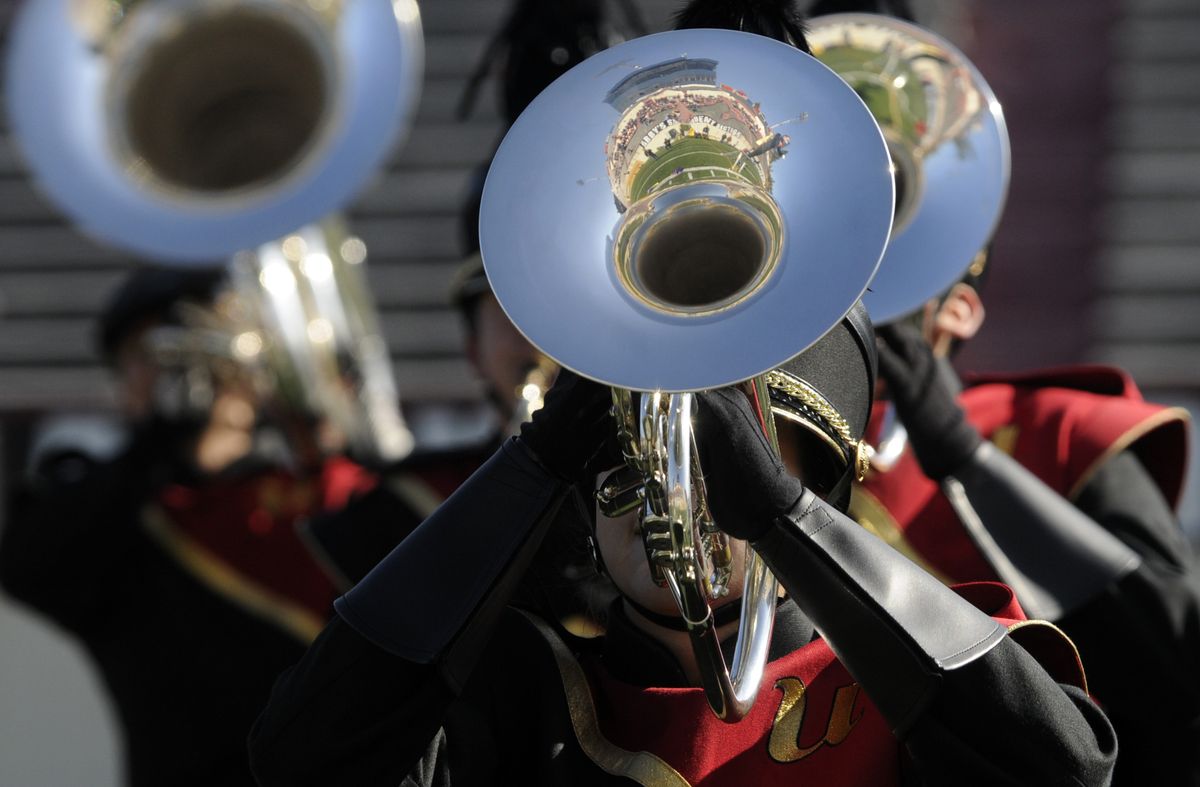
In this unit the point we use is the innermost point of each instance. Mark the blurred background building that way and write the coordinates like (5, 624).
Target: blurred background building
(1094, 261)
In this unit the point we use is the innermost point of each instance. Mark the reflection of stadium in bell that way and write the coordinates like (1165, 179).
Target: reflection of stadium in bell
(689, 162)
(921, 97)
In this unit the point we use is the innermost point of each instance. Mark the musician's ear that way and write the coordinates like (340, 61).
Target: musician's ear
(471, 351)
(472, 347)
(958, 319)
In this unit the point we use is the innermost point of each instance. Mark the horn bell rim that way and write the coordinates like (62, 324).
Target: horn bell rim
(55, 92)
(549, 211)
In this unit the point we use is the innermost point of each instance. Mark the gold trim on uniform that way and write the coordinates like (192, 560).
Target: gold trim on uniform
(867, 511)
(1127, 439)
(227, 582)
(784, 743)
(853, 452)
(1005, 438)
(804, 393)
(642, 767)
(1014, 633)
(862, 460)
(792, 417)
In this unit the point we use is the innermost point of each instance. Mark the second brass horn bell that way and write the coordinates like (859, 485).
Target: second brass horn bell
(684, 212)
(949, 145)
(190, 129)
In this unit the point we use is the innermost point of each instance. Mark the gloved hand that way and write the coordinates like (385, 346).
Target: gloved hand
(748, 485)
(574, 434)
(937, 427)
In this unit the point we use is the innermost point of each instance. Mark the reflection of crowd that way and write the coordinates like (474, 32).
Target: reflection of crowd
(960, 105)
(952, 103)
(721, 114)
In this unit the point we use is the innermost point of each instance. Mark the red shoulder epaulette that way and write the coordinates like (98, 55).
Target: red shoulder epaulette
(1063, 424)
(1096, 378)
(1060, 424)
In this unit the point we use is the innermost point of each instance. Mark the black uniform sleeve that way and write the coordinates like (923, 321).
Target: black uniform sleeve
(71, 529)
(1050, 553)
(970, 704)
(353, 539)
(1002, 721)
(1140, 639)
(349, 713)
(367, 703)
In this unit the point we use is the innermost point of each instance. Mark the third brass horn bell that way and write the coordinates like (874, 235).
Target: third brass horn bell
(191, 130)
(187, 130)
(678, 213)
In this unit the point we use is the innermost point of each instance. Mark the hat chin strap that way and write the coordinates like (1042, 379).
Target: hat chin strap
(726, 613)
(839, 494)
(839, 497)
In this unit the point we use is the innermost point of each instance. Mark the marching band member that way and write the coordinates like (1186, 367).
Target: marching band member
(563, 585)
(1061, 483)
(429, 676)
(178, 564)
(539, 41)
(1071, 480)
(426, 677)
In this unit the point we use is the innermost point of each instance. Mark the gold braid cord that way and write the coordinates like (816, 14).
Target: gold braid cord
(642, 767)
(805, 394)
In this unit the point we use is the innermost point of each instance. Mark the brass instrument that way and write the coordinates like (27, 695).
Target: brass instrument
(678, 213)
(321, 336)
(948, 143)
(294, 323)
(193, 130)
(531, 393)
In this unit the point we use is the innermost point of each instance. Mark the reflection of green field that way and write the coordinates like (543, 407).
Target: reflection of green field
(767, 212)
(690, 153)
(898, 108)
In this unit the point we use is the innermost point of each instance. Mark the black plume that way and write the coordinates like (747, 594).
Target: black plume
(540, 41)
(778, 19)
(897, 8)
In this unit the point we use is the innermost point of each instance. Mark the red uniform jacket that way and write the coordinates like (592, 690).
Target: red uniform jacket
(811, 723)
(240, 537)
(1061, 425)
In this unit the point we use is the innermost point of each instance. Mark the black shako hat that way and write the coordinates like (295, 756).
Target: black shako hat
(827, 390)
(150, 293)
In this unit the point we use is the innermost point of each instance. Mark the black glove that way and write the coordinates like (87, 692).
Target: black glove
(574, 435)
(748, 485)
(937, 427)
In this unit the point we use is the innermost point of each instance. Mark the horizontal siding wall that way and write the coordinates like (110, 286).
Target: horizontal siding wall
(1147, 315)
(1141, 294)
(53, 280)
